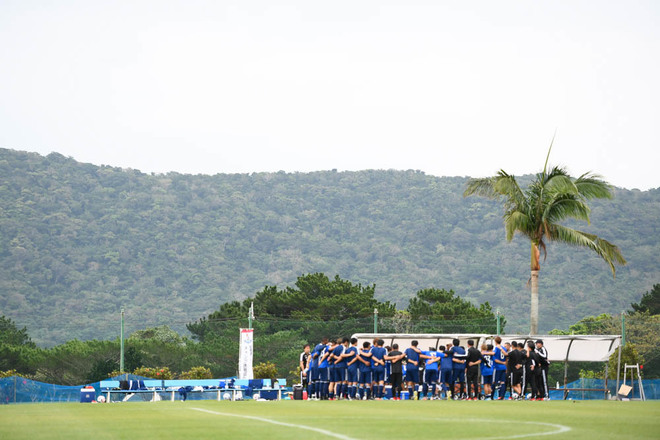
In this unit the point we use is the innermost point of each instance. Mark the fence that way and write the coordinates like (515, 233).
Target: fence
(21, 390)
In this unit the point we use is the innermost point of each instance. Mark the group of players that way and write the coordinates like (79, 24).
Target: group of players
(339, 369)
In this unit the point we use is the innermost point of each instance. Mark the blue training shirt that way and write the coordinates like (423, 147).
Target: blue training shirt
(378, 353)
(411, 355)
(338, 351)
(433, 354)
(459, 354)
(500, 354)
(354, 351)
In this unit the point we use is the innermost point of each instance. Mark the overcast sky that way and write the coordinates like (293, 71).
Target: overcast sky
(448, 87)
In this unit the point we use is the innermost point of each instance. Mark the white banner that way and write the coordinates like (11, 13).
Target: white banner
(245, 354)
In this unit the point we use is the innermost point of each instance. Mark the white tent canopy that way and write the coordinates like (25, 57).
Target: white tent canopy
(561, 348)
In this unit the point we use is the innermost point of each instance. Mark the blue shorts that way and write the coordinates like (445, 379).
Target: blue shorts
(446, 376)
(365, 377)
(323, 374)
(412, 374)
(352, 375)
(339, 374)
(458, 375)
(487, 380)
(431, 376)
(499, 376)
(314, 376)
(378, 374)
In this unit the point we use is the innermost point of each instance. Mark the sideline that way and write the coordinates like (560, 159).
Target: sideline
(274, 422)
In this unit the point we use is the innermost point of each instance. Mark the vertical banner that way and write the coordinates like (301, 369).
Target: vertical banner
(245, 354)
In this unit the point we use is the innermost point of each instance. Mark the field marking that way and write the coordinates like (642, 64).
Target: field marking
(559, 428)
(274, 422)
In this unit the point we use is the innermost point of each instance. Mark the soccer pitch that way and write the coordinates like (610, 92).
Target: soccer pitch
(333, 420)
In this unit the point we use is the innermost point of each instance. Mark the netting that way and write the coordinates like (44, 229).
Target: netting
(21, 390)
(651, 389)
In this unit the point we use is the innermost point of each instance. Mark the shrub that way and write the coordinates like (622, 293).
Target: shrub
(154, 373)
(197, 373)
(264, 370)
(9, 373)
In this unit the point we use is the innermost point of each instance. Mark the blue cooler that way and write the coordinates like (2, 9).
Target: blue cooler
(87, 395)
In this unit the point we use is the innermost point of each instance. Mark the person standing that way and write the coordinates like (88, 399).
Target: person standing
(365, 370)
(395, 357)
(432, 371)
(532, 370)
(305, 358)
(412, 368)
(351, 356)
(499, 369)
(473, 360)
(446, 370)
(545, 365)
(324, 376)
(458, 358)
(378, 357)
(487, 370)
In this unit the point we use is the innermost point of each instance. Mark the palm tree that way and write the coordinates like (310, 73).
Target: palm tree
(536, 212)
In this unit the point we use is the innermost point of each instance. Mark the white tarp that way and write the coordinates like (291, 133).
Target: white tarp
(245, 354)
(588, 348)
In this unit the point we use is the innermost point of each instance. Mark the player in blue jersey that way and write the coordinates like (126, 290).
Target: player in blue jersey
(432, 371)
(412, 368)
(446, 371)
(317, 385)
(352, 365)
(337, 368)
(324, 377)
(364, 370)
(378, 357)
(499, 369)
(487, 370)
(458, 375)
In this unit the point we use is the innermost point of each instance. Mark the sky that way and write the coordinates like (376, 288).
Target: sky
(451, 88)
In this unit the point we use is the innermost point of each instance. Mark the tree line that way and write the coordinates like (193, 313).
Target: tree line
(79, 241)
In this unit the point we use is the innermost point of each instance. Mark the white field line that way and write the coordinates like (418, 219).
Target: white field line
(558, 429)
(274, 422)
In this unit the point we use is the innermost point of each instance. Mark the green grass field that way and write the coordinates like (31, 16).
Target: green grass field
(331, 420)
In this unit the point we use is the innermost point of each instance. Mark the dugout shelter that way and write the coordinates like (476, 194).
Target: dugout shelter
(561, 348)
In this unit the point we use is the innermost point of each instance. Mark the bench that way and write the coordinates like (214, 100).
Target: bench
(151, 386)
(173, 386)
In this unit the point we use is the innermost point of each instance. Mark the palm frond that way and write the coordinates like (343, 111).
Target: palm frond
(592, 186)
(606, 250)
(484, 186)
(517, 221)
(560, 183)
(565, 206)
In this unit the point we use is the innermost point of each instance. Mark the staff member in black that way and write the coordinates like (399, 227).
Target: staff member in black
(545, 364)
(472, 360)
(305, 358)
(396, 372)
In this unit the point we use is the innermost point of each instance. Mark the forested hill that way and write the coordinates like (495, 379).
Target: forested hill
(79, 241)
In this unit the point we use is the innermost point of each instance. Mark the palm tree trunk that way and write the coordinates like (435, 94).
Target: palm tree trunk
(534, 309)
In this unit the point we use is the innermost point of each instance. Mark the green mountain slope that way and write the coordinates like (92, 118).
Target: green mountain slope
(78, 241)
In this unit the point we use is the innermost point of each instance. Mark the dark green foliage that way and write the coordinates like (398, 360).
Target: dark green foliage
(12, 335)
(78, 242)
(439, 310)
(101, 370)
(650, 302)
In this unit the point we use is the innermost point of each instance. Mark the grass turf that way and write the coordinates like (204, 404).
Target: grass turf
(344, 420)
